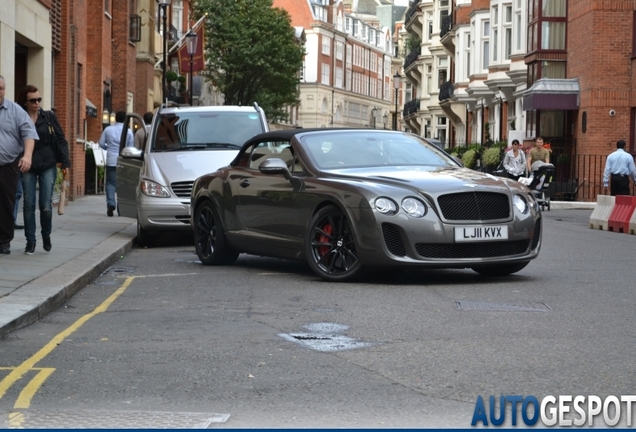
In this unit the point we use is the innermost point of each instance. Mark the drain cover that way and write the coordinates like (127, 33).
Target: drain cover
(502, 307)
(118, 270)
(324, 337)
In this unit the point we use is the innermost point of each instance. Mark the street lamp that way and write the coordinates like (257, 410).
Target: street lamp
(163, 5)
(396, 85)
(385, 118)
(191, 39)
(373, 113)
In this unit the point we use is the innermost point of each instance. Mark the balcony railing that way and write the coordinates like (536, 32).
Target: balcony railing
(411, 107)
(412, 10)
(447, 25)
(411, 57)
(446, 91)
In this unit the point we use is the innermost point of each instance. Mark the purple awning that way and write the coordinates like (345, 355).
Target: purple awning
(552, 94)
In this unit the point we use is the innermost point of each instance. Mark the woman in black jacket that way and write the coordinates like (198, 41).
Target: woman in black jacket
(50, 149)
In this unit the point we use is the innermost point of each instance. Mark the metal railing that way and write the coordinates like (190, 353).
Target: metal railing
(411, 57)
(412, 10)
(411, 107)
(446, 26)
(446, 91)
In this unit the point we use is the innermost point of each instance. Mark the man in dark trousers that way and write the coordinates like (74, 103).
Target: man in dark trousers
(618, 168)
(17, 140)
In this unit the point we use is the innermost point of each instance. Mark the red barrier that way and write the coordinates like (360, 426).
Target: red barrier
(621, 213)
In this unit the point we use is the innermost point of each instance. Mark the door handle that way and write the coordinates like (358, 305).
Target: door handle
(244, 183)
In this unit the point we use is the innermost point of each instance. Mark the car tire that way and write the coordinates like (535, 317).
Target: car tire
(330, 246)
(209, 237)
(143, 237)
(499, 270)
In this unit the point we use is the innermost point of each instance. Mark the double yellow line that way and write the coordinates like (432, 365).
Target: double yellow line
(27, 394)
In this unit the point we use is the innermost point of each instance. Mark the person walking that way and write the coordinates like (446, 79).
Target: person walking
(17, 139)
(50, 149)
(142, 134)
(515, 161)
(618, 168)
(537, 153)
(110, 141)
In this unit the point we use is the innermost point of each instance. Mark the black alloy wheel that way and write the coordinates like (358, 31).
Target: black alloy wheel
(209, 237)
(330, 246)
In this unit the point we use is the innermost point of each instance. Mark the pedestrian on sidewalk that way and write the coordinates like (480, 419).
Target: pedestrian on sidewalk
(17, 139)
(110, 141)
(515, 161)
(50, 149)
(618, 168)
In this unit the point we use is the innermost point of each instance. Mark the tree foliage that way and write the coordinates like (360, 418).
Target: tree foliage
(251, 53)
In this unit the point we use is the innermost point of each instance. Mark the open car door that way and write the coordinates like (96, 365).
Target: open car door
(129, 163)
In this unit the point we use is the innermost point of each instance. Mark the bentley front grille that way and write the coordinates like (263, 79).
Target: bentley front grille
(472, 250)
(182, 189)
(474, 206)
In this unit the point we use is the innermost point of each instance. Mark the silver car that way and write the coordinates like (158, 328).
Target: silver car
(154, 183)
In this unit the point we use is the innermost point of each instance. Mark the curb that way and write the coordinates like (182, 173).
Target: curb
(37, 298)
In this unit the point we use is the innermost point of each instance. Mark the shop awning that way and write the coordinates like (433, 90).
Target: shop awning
(91, 109)
(552, 94)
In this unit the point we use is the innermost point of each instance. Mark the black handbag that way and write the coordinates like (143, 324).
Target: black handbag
(53, 138)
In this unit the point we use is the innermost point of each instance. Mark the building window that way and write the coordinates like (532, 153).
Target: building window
(468, 46)
(552, 35)
(356, 27)
(486, 45)
(325, 74)
(348, 25)
(442, 72)
(429, 79)
(339, 77)
(339, 50)
(177, 15)
(326, 45)
(429, 20)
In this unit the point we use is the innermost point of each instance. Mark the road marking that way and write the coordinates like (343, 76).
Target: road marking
(18, 372)
(26, 395)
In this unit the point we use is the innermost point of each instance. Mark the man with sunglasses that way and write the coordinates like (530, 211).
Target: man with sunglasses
(17, 139)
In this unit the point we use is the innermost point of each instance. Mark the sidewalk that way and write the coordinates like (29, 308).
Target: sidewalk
(85, 243)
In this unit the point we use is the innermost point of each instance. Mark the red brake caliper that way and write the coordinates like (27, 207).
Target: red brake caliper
(322, 250)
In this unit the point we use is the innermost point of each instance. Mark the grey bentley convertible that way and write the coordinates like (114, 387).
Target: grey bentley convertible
(349, 199)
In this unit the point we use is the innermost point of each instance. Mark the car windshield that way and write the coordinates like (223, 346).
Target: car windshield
(191, 131)
(356, 149)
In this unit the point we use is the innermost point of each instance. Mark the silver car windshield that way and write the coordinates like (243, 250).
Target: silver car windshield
(189, 131)
(356, 149)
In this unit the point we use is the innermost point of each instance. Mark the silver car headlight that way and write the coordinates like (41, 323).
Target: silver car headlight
(385, 205)
(520, 204)
(414, 207)
(153, 189)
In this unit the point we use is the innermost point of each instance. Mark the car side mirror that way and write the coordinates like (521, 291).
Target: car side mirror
(278, 166)
(132, 153)
(274, 166)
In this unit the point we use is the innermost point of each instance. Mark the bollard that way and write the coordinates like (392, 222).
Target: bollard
(623, 209)
(602, 211)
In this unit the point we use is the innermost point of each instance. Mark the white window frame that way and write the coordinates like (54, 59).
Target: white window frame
(339, 77)
(325, 73)
(339, 50)
(326, 45)
(485, 44)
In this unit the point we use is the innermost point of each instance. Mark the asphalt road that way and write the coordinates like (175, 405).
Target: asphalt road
(264, 343)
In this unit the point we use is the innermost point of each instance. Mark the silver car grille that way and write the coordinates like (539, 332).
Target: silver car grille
(474, 206)
(182, 189)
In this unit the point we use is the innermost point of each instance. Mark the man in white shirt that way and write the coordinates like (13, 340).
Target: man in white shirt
(619, 167)
(110, 141)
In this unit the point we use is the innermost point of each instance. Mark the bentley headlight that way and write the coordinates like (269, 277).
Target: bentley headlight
(153, 189)
(414, 207)
(520, 204)
(385, 205)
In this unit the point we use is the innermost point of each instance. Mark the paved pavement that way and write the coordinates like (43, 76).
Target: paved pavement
(85, 243)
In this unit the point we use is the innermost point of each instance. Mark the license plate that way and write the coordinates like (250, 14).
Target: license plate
(480, 233)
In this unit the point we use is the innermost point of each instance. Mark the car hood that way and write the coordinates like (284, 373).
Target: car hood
(170, 167)
(429, 179)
